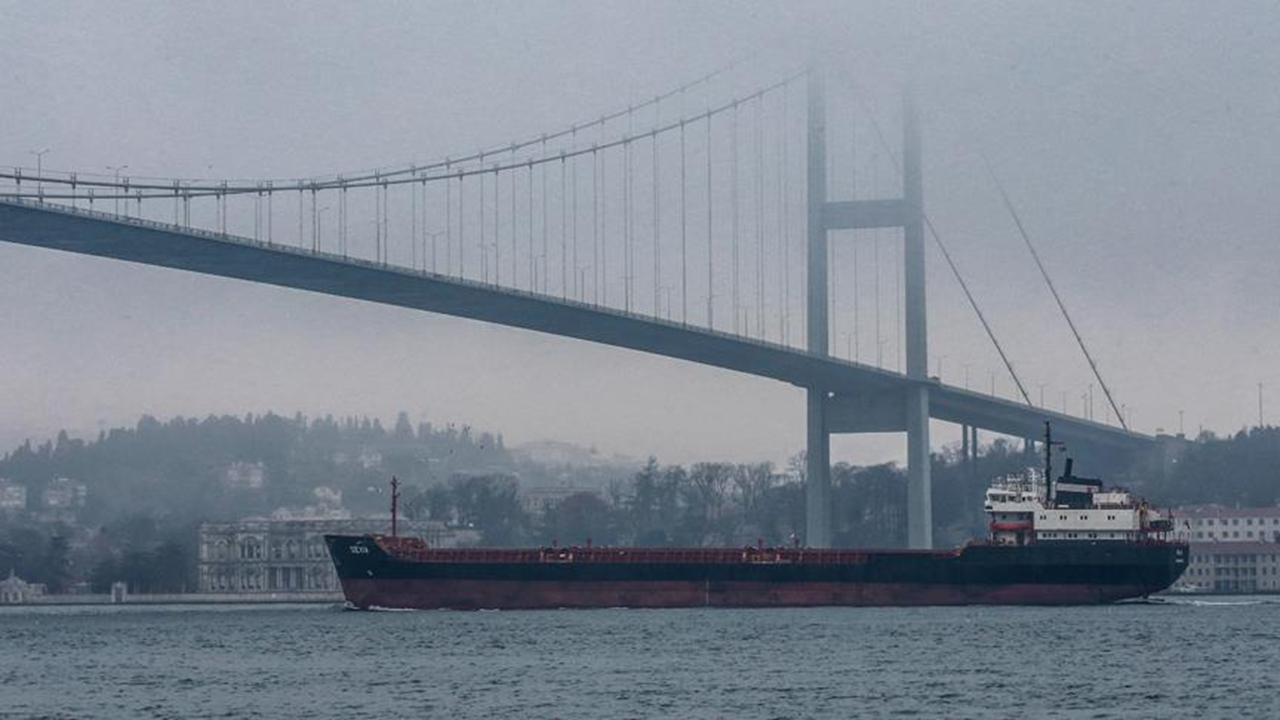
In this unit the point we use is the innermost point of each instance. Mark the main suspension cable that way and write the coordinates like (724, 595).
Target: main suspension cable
(955, 270)
(1044, 273)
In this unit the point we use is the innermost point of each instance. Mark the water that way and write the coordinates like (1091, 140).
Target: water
(1187, 658)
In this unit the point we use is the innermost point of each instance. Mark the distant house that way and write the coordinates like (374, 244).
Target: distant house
(65, 494)
(538, 500)
(551, 453)
(13, 497)
(16, 591)
(370, 459)
(244, 475)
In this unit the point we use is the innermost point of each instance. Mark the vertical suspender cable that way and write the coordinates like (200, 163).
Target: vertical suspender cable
(684, 236)
(462, 232)
(784, 219)
(564, 216)
(604, 231)
(626, 226)
(515, 225)
(710, 236)
(657, 235)
(545, 279)
(577, 289)
(595, 228)
(533, 264)
(413, 228)
(759, 172)
(898, 329)
(875, 260)
(497, 230)
(448, 227)
(733, 191)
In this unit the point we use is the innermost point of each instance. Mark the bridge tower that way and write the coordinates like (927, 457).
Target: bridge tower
(832, 410)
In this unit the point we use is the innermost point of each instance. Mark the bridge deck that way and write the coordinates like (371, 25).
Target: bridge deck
(110, 236)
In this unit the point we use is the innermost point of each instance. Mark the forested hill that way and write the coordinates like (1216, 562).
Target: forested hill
(1238, 470)
(229, 467)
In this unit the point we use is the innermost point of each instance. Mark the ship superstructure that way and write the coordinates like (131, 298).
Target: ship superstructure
(1027, 508)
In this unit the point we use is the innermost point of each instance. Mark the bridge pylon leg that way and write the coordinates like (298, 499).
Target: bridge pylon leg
(919, 471)
(818, 436)
(817, 472)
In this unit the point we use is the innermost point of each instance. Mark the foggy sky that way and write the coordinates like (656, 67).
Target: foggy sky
(1141, 142)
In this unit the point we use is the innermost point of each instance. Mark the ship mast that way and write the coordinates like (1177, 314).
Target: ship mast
(395, 503)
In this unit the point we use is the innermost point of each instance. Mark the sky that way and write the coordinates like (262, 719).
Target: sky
(1140, 142)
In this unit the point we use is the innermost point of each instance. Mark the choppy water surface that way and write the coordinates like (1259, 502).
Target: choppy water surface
(1207, 658)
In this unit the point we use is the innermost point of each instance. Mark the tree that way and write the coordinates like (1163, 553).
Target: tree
(752, 483)
(56, 571)
(491, 505)
(578, 518)
(705, 497)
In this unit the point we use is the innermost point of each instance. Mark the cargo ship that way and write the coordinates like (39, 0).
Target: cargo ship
(1063, 542)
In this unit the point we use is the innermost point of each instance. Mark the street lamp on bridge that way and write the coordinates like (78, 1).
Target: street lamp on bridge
(116, 169)
(39, 172)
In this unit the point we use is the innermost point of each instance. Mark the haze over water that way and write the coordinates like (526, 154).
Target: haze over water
(1184, 659)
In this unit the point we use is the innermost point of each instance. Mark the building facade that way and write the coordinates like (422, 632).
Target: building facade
(1233, 550)
(13, 497)
(16, 591)
(261, 555)
(1232, 567)
(1211, 523)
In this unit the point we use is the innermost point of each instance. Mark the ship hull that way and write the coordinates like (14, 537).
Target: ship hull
(375, 575)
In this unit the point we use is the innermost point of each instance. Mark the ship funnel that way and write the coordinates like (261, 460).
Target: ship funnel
(1066, 472)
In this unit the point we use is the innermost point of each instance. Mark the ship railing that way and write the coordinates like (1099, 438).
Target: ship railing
(417, 550)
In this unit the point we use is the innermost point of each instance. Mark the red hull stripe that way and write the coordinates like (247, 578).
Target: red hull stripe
(510, 595)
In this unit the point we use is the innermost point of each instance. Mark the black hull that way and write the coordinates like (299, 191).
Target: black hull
(1046, 573)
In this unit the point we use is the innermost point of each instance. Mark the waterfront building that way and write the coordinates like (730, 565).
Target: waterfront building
(1233, 550)
(1232, 567)
(1214, 523)
(288, 554)
(16, 591)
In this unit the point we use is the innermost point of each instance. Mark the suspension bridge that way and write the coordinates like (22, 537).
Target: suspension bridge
(698, 225)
